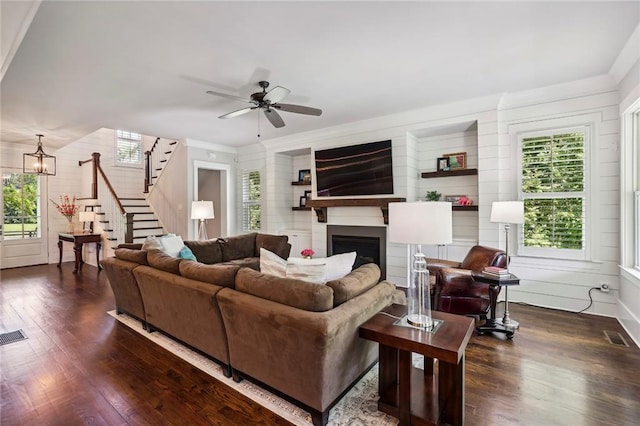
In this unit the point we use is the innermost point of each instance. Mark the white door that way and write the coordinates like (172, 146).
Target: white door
(23, 236)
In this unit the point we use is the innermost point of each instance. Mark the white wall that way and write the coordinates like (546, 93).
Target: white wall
(544, 282)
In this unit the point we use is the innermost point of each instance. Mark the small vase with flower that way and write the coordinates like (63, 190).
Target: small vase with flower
(68, 208)
(307, 253)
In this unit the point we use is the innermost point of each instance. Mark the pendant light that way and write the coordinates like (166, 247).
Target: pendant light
(39, 162)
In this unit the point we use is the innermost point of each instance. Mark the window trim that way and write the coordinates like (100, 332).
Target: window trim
(117, 136)
(246, 203)
(588, 124)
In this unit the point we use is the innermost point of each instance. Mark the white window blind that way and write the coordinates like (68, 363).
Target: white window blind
(251, 201)
(128, 148)
(553, 190)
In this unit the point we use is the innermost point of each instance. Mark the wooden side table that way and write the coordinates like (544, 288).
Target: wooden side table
(412, 395)
(78, 240)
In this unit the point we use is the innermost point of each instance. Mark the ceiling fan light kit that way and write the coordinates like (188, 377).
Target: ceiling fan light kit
(268, 102)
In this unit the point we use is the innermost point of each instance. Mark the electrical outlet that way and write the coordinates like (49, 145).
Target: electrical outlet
(604, 287)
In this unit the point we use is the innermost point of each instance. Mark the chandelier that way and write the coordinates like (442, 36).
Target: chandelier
(39, 162)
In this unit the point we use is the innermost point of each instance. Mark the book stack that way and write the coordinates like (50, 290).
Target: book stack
(494, 271)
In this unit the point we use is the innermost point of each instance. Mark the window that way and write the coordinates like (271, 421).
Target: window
(251, 207)
(21, 206)
(128, 149)
(553, 189)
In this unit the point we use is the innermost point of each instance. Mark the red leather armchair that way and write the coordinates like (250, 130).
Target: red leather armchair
(456, 292)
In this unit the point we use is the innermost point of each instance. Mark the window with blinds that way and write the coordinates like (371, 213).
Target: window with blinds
(553, 189)
(128, 148)
(251, 204)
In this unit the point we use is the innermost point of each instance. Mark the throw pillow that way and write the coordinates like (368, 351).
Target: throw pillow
(272, 264)
(339, 265)
(186, 253)
(311, 270)
(152, 243)
(172, 244)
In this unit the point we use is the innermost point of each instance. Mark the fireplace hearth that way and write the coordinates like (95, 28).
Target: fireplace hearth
(369, 242)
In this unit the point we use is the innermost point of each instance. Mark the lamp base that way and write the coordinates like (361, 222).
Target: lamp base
(508, 323)
(422, 321)
(202, 231)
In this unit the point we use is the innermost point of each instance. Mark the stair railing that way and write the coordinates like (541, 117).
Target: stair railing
(154, 160)
(119, 220)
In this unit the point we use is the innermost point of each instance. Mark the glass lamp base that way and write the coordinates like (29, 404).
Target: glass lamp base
(420, 321)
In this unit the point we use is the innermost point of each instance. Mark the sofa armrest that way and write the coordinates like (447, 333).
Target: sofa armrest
(310, 356)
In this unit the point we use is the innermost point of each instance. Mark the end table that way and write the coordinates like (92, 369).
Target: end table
(506, 325)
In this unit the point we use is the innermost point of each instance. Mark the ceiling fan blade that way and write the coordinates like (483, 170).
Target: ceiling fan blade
(225, 95)
(276, 94)
(274, 118)
(298, 109)
(238, 112)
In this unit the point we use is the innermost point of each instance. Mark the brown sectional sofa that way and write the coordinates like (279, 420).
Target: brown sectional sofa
(297, 338)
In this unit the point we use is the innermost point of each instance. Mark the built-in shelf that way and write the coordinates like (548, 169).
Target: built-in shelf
(451, 173)
(464, 208)
(299, 209)
(320, 206)
(300, 183)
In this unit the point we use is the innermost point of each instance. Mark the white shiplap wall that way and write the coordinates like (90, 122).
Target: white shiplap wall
(544, 282)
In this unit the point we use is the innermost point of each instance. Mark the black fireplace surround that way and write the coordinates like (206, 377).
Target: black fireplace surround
(369, 242)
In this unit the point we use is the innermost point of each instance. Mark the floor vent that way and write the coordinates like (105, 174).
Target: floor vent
(12, 336)
(615, 338)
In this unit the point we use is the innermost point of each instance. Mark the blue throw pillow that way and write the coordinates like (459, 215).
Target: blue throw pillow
(186, 253)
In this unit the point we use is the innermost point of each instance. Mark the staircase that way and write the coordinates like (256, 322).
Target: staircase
(144, 221)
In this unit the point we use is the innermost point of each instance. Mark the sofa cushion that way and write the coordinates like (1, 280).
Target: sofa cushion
(296, 293)
(355, 283)
(247, 262)
(132, 255)
(277, 244)
(238, 247)
(135, 246)
(208, 251)
(218, 274)
(161, 260)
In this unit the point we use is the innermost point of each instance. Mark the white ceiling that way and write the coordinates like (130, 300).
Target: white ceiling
(145, 66)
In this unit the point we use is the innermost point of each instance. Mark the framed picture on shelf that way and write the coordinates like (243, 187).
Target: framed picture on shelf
(307, 194)
(303, 201)
(304, 175)
(443, 164)
(457, 160)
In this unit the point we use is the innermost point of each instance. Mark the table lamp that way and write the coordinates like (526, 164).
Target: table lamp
(202, 210)
(415, 224)
(85, 217)
(507, 212)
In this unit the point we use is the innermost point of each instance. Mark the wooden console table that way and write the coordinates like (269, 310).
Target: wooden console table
(415, 396)
(78, 240)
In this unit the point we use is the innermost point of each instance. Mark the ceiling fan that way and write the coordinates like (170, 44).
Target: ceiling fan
(269, 102)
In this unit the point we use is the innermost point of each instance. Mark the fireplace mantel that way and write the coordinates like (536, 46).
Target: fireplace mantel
(320, 206)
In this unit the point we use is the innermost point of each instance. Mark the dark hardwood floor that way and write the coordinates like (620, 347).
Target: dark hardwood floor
(80, 366)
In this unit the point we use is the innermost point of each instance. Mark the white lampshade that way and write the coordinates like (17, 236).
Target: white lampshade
(202, 210)
(507, 212)
(86, 216)
(420, 223)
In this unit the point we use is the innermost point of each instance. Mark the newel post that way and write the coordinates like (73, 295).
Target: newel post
(94, 184)
(147, 171)
(128, 235)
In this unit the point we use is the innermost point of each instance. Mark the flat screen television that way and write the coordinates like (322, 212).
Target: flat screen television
(364, 169)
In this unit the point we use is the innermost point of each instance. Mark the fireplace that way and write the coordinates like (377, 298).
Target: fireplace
(369, 242)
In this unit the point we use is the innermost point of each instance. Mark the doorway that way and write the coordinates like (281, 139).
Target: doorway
(23, 229)
(211, 183)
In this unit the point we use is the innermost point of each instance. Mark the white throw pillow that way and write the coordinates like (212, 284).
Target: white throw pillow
(339, 265)
(311, 270)
(152, 243)
(272, 264)
(172, 244)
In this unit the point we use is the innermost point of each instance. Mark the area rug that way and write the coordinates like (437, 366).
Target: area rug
(358, 407)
